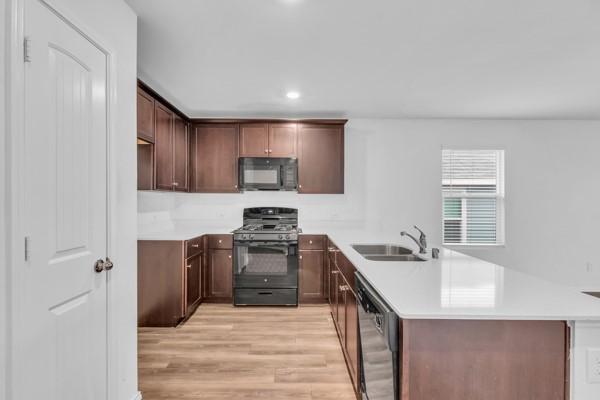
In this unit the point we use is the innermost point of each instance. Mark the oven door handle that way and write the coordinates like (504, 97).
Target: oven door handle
(264, 244)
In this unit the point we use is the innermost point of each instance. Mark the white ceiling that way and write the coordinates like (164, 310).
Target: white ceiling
(374, 58)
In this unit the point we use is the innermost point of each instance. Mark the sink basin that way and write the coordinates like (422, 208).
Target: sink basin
(385, 252)
(380, 249)
(396, 257)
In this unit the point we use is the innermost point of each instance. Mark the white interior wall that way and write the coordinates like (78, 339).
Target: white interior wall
(393, 178)
(552, 176)
(4, 294)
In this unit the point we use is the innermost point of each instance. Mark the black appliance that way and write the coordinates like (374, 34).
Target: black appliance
(261, 173)
(265, 257)
(378, 327)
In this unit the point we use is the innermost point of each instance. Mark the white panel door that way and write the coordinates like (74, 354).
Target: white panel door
(62, 322)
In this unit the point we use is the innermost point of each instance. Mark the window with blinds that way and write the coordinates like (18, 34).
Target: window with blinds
(473, 197)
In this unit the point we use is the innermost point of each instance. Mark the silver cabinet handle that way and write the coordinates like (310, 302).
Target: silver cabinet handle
(196, 245)
(229, 257)
(266, 150)
(310, 242)
(220, 240)
(189, 266)
(270, 151)
(300, 186)
(300, 257)
(175, 184)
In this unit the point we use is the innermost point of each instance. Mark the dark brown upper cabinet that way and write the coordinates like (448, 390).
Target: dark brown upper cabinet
(254, 140)
(145, 116)
(214, 155)
(277, 139)
(320, 158)
(181, 155)
(163, 145)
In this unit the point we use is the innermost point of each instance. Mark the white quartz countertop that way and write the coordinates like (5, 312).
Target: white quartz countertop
(454, 286)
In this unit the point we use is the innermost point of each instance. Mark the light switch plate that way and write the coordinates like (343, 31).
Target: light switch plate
(593, 367)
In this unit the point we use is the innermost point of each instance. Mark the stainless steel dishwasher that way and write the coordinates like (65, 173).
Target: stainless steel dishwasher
(378, 326)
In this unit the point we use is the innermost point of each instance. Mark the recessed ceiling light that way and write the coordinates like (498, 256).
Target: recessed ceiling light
(292, 95)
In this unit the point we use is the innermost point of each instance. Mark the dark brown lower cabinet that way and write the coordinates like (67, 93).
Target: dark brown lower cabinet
(220, 269)
(193, 280)
(169, 281)
(312, 271)
(342, 298)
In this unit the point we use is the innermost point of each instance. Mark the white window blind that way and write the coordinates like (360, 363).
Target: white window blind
(473, 197)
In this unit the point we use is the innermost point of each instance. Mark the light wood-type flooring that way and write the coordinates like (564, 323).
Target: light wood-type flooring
(223, 352)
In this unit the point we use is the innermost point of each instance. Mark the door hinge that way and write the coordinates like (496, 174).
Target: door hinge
(26, 248)
(27, 49)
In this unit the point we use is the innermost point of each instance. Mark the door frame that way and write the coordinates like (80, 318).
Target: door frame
(13, 167)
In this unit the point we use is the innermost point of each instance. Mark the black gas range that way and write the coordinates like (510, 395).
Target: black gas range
(265, 262)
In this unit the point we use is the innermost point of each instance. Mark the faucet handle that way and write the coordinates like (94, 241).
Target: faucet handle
(420, 231)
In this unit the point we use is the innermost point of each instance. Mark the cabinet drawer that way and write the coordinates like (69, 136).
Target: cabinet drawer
(312, 242)
(283, 297)
(220, 241)
(193, 247)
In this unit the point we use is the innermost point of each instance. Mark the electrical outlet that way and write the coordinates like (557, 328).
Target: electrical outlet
(593, 370)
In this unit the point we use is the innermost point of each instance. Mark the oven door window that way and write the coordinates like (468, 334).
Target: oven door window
(265, 264)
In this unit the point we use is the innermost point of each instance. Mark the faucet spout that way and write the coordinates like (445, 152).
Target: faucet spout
(421, 242)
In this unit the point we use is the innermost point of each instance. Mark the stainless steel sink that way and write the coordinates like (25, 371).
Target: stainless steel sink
(397, 257)
(386, 252)
(380, 249)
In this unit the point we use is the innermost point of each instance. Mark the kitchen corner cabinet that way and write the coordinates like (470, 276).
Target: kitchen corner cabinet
(320, 158)
(342, 300)
(145, 116)
(169, 281)
(214, 158)
(171, 150)
(275, 139)
(220, 269)
(312, 273)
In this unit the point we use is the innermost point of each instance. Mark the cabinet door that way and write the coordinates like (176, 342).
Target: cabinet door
(341, 308)
(193, 277)
(145, 116)
(180, 155)
(352, 336)
(254, 140)
(164, 147)
(283, 140)
(220, 274)
(214, 158)
(333, 273)
(320, 158)
(311, 279)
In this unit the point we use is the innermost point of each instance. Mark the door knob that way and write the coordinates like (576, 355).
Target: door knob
(108, 264)
(99, 266)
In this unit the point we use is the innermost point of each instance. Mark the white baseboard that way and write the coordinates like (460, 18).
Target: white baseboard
(137, 396)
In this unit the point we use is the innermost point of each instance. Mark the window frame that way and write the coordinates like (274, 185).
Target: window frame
(500, 197)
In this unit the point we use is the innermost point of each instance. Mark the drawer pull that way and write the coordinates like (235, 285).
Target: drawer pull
(229, 257)
(189, 266)
(220, 240)
(335, 272)
(310, 242)
(266, 293)
(196, 245)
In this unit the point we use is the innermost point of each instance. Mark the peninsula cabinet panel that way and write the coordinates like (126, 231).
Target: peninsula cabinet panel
(320, 158)
(352, 338)
(160, 283)
(145, 116)
(164, 147)
(479, 359)
(180, 155)
(283, 139)
(254, 140)
(214, 153)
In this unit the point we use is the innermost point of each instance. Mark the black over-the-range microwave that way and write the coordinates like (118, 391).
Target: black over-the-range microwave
(263, 173)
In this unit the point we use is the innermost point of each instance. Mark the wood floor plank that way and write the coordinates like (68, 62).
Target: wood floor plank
(224, 352)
